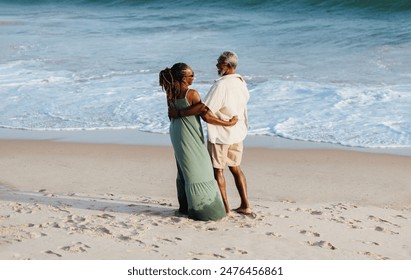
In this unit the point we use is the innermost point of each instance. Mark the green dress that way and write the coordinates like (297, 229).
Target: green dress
(197, 190)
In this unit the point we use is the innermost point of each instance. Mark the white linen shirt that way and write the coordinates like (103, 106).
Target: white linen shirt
(228, 97)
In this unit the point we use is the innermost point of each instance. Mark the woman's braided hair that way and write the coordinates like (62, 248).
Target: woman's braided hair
(170, 79)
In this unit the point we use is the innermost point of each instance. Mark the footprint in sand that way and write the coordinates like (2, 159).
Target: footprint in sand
(288, 201)
(381, 229)
(124, 238)
(2, 218)
(155, 246)
(371, 243)
(162, 241)
(18, 208)
(306, 210)
(273, 234)
(352, 223)
(75, 219)
(401, 217)
(194, 254)
(177, 219)
(140, 243)
(212, 229)
(106, 216)
(309, 233)
(168, 240)
(234, 250)
(379, 220)
(58, 209)
(52, 253)
(50, 224)
(342, 206)
(77, 247)
(374, 256)
(36, 234)
(322, 244)
(103, 230)
(282, 216)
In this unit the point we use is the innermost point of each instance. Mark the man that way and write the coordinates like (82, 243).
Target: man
(227, 99)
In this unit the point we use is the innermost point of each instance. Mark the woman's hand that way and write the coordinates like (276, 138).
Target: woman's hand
(233, 121)
(173, 113)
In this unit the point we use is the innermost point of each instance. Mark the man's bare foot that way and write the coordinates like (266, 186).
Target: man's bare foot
(244, 211)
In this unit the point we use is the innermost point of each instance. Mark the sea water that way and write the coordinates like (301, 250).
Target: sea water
(317, 70)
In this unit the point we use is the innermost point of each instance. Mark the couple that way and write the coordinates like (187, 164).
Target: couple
(201, 187)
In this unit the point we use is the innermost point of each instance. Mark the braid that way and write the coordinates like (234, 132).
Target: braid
(169, 80)
(166, 81)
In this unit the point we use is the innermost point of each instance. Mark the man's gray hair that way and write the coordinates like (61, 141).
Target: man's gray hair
(230, 58)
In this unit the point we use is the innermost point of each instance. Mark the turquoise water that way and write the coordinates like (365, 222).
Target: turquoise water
(321, 71)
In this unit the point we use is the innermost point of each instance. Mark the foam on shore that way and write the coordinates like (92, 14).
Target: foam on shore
(136, 137)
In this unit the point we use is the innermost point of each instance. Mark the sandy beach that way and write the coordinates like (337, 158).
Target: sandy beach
(61, 200)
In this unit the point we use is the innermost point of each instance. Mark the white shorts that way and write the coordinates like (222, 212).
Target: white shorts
(223, 155)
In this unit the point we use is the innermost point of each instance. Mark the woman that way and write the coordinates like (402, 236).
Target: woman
(197, 190)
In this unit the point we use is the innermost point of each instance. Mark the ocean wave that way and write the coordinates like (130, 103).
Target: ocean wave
(315, 72)
(382, 6)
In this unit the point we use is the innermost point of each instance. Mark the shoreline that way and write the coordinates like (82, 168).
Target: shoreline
(136, 137)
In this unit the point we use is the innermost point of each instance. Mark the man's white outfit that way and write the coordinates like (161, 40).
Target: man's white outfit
(228, 97)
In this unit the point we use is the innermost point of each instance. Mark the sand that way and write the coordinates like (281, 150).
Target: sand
(88, 201)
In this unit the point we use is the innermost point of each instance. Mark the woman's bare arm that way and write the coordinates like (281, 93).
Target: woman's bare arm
(194, 110)
(199, 108)
(208, 117)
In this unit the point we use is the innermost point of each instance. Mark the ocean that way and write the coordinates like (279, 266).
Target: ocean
(321, 71)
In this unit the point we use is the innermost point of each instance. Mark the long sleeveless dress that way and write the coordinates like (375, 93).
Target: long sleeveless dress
(197, 190)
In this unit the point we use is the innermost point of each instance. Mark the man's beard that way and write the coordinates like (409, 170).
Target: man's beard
(221, 72)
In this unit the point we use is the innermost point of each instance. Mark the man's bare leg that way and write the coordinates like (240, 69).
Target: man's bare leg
(241, 184)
